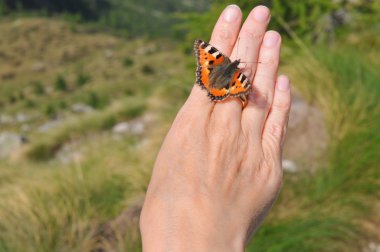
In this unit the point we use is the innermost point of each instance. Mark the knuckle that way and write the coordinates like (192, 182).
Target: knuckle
(253, 34)
(271, 174)
(281, 105)
(276, 132)
(262, 99)
(223, 38)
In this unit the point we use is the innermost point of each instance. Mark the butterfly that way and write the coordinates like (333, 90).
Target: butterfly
(218, 75)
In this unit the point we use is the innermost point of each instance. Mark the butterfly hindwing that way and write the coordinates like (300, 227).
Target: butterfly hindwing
(240, 84)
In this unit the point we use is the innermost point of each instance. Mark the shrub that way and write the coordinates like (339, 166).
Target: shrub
(38, 88)
(146, 69)
(127, 62)
(50, 111)
(60, 83)
(82, 79)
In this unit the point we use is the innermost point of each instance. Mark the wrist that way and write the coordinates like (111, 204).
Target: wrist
(160, 234)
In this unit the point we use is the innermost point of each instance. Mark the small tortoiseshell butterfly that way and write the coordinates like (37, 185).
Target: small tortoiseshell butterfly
(218, 75)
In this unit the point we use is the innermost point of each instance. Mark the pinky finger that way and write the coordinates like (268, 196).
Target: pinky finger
(276, 123)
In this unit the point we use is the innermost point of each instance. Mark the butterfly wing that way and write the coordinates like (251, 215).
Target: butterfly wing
(209, 57)
(240, 85)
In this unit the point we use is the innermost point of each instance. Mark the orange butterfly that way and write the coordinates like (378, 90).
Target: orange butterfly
(218, 75)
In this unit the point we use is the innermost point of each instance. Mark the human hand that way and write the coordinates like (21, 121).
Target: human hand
(219, 169)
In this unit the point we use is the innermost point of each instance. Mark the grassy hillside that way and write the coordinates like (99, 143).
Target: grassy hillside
(90, 111)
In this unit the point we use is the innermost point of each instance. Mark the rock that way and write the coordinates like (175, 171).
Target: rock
(121, 127)
(10, 142)
(25, 128)
(289, 166)
(48, 126)
(81, 108)
(6, 119)
(372, 247)
(21, 118)
(39, 67)
(135, 127)
(69, 153)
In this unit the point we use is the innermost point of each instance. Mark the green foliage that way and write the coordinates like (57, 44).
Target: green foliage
(50, 111)
(127, 62)
(95, 101)
(313, 20)
(82, 79)
(147, 69)
(38, 88)
(60, 83)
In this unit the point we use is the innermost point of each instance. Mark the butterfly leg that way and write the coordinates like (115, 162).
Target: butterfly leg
(244, 100)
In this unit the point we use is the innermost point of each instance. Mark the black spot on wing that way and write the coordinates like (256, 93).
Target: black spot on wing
(218, 56)
(211, 62)
(212, 50)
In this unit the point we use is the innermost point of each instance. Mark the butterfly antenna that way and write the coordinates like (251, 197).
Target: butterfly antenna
(237, 48)
(258, 62)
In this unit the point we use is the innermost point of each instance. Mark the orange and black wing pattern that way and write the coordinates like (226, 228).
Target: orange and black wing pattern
(208, 57)
(240, 85)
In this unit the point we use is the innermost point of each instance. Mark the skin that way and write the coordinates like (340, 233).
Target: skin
(219, 169)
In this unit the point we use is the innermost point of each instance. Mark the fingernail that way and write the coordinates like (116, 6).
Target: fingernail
(271, 38)
(231, 13)
(283, 83)
(261, 13)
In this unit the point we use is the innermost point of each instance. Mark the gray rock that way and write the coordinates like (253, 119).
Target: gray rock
(39, 67)
(9, 142)
(289, 166)
(6, 119)
(135, 127)
(48, 126)
(372, 247)
(69, 153)
(81, 108)
(21, 118)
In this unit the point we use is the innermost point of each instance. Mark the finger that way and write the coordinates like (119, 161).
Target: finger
(276, 123)
(250, 38)
(260, 99)
(227, 112)
(223, 38)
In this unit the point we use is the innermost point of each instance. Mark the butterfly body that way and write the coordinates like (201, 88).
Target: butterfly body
(220, 76)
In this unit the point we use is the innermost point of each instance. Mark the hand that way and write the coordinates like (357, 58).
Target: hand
(219, 169)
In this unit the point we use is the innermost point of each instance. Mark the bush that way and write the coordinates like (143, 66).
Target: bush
(50, 111)
(60, 83)
(38, 88)
(146, 69)
(127, 62)
(82, 79)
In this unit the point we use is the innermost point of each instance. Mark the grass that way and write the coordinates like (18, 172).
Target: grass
(62, 206)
